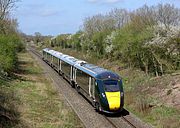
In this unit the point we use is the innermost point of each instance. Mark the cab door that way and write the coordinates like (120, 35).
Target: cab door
(92, 87)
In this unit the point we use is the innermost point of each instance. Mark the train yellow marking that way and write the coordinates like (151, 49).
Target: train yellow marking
(113, 100)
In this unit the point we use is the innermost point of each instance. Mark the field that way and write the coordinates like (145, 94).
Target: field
(30, 100)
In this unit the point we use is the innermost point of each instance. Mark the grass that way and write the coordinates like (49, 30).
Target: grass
(140, 90)
(35, 101)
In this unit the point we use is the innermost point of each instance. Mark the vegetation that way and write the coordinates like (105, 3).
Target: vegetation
(31, 101)
(145, 96)
(10, 45)
(146, 38)
(27, 98)
(137, 44)
(143, 46)
(10, 40)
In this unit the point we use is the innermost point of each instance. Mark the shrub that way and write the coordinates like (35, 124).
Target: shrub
(9, 46)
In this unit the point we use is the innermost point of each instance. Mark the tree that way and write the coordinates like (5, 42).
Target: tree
(98, 23)
(7, 23)
(168, 15)
(120, 16)
(145, 15)
(38, 37)
(5, 7)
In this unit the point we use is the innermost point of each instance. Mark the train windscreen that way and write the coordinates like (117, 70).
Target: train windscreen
(111, 86)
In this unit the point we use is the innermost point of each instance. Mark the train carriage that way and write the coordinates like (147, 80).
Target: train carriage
(104, 88)
(101, 86)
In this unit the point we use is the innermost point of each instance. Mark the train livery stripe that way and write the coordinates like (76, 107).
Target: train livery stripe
(113, 100)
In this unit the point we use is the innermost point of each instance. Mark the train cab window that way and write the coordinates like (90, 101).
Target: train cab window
(111, 86)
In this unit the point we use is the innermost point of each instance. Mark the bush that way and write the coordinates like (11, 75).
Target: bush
(9, 46)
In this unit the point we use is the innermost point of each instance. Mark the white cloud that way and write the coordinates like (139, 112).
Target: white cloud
(48, 12)
(112, 1)
(104, 1)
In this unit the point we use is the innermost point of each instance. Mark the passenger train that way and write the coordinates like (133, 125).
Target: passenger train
(103, 88)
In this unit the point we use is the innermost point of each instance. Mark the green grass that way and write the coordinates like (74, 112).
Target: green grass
(164, 117)
(34, 99)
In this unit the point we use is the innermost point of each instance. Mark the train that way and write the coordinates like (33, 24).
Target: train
(103, 88)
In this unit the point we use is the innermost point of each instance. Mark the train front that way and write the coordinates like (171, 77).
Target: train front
(111, 94)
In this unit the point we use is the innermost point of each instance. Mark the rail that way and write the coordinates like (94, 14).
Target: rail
(120, 121)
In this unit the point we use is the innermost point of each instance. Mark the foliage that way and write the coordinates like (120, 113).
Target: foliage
(146, 38)
(10, 45)
(9, 38)
(76, 40)
(130, 43)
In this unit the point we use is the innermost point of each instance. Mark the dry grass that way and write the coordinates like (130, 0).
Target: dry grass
(36, 101)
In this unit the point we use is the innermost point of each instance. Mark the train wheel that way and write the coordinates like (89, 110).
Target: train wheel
(77, 88)
(98, 107)
(63, 75)
(72, 84)
(59, 72)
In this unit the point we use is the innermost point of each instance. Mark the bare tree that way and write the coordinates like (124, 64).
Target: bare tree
(7, 24)
(120, 16)
(94, 24)
(99, 23)
(146, 15)
(6, 6)
(167, 15)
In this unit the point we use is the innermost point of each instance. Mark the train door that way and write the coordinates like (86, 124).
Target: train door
(59, 65)
(51, 60)
(74, 74)
(71, 73)
(92, 87)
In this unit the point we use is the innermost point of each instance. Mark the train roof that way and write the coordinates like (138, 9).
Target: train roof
(96, 71)
(66, 58)
(92, 70)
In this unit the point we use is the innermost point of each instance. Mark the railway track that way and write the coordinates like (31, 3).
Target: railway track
(89, 117)
(132, 125)
(121, 124)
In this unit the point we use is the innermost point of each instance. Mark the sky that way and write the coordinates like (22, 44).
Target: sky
(53, 17)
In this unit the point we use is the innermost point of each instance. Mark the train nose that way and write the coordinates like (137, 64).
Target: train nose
(113, 99)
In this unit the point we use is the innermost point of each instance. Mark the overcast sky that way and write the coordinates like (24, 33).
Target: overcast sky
(52, 17)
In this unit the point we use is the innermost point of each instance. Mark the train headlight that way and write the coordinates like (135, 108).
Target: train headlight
(103, 95)
(122, 94)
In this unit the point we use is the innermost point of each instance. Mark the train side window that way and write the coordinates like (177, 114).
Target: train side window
(82, 79)
(66, 68)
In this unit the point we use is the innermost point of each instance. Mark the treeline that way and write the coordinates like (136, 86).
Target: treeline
(147, 38)
(10, 41)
